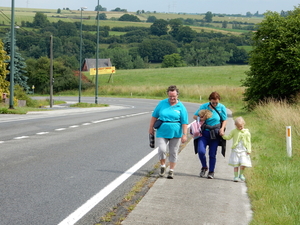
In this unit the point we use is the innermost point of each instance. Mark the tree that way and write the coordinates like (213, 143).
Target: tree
(205, 54)
(175, 24)
(128, 17)
(274, 60)
(159, 27)
(138, 63)
(58, 10)
(173, 60)
(185, 34)
(102, 16)
(239, 55)
(224, 24)
(248, 14)
(156, 49)
(38, 73)
(119, 57)
(118, 9)
(208, 17)
(100, 8)
(3, 71)
(40, 20)
(66, 29)
(19, 65)
(151, 19)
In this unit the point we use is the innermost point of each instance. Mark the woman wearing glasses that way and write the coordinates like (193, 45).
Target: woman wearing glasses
(172, 131)
(211, 131)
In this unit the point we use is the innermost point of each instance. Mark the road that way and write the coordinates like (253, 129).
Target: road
(72, 166)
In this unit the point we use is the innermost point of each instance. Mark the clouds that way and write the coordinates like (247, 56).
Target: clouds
(188, 6)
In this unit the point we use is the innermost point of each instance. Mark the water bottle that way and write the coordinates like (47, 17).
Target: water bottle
(152, 140)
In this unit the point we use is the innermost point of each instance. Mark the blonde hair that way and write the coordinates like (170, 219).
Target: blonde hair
(205, 113)
(239, 120)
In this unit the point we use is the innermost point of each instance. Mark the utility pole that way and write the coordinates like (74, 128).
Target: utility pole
(51, 71)
(80, 53)
(12, 56)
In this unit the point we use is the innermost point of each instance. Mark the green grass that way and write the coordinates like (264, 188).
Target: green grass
(195, 83)
(88, 105)
(273, 182)
(36, 105)
(218, 75)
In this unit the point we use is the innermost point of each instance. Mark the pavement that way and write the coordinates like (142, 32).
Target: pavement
(189, 199)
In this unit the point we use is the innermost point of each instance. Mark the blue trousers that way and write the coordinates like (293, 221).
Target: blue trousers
(213, 147)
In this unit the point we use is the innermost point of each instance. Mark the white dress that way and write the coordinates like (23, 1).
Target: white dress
(239, 156)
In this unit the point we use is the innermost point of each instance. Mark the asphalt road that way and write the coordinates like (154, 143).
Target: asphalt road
(53, 164)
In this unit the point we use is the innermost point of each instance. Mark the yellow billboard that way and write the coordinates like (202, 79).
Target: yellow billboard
(103, 70)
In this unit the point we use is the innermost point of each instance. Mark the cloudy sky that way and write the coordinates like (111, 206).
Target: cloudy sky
(187, 6)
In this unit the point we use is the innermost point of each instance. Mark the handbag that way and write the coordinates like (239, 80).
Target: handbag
(157, 124)
(195, 129)
(222, 142)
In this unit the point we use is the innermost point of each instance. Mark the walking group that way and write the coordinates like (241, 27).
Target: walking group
(169, 128)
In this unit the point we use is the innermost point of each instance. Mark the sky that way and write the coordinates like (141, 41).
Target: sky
(177, 6)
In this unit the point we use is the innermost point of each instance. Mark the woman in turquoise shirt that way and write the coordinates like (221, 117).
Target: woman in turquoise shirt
(211, 133)
(173, 129)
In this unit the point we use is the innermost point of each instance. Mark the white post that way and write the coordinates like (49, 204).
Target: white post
(289, 140)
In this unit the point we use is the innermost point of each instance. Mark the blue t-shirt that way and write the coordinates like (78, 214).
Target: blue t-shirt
(174, 116)
(215, 119)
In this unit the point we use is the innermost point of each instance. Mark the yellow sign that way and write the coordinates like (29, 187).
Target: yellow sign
(103, 70)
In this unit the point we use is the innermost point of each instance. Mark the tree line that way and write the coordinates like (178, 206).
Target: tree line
(170, 41)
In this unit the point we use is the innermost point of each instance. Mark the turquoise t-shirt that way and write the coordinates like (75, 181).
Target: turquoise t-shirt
(215, 119)
(174, 116)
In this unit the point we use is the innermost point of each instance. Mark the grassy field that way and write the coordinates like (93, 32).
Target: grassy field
(273, 181)
(195, 82)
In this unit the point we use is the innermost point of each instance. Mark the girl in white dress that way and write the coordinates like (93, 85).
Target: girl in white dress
(240, 150)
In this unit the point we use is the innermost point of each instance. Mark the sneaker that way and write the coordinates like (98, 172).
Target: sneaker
(210, 175)
(162, 171)
(235, 179)
(203, 171)
(170, 174)
(242, 177)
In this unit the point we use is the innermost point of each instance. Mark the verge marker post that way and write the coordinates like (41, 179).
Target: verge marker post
(289, 140)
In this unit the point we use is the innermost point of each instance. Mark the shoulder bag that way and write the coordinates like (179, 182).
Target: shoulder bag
(222, 142)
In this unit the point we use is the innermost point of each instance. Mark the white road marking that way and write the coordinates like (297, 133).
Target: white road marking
(84, 124)
(22, 137)
(60, 129)
(96, 199)
(41, 133)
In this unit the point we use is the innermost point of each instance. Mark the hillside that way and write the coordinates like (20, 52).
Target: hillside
(89, 18)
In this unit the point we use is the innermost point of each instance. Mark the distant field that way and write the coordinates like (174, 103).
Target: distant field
(217, 75)
(247, 48)
(195, 83)
(89, 18)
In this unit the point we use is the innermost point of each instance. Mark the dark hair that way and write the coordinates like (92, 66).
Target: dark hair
(214, 95)
(173, 88)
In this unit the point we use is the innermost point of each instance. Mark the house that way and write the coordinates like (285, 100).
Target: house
(91, 63)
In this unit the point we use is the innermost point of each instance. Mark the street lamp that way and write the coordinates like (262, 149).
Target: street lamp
(97, 56)
(80, 52)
